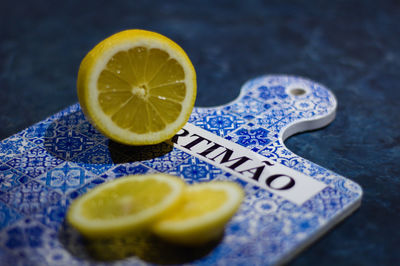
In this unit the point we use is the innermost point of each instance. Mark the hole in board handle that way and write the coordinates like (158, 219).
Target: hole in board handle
(297, 91)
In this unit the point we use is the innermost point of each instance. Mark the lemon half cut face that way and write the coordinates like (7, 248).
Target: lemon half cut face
(137, 87)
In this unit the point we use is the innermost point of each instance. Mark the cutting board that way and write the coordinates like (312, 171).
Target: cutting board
(290, 202)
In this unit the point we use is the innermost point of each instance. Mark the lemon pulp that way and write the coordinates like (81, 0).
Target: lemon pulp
(142, 89)
(197, 204)
(125, 199)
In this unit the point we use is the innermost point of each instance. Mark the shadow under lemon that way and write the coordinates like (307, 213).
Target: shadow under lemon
(143, 245)
(72, 138)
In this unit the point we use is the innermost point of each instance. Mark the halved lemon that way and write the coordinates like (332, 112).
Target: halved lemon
(137, 87)
(125, 205)
(202, 216)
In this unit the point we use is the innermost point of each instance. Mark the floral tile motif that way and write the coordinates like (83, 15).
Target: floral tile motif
(97, 159)
(34, 162)
(36, 132)
(10, 178)
(284, 122)
(68, 117)
(248, 108)
(268, 92)
(68, 144)
(71, 119)
(253, 136)
(278, 152)
(194, 170)
(13, 146)
(55, 126)
(271, 117)
(220, 122)
(91, 132)
(30, 198)
(65, 177)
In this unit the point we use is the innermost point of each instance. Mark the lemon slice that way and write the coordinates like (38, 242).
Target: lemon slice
(201, 217)
(125, 205)
(137, 87)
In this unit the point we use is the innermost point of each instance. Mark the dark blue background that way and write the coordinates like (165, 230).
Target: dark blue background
(352, 47)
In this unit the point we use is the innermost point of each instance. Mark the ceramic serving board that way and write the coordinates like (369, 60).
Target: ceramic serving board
(289, 202)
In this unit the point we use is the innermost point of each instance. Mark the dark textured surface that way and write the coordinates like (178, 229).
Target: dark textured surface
(352, 47)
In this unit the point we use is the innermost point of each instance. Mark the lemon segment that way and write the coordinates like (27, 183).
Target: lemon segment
(137, 87)
(202, 215)
(125, 205)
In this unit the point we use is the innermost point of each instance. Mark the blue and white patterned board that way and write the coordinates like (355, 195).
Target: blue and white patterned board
(45, 167)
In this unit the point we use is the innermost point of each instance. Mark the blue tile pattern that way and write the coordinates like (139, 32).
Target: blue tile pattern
(34, 162)
(193, 170)
(220, 122)
(45, 167)
(12, 146)
(66, 177)
(10, 177)
(30, 198)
